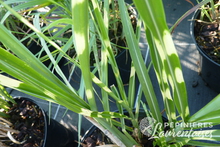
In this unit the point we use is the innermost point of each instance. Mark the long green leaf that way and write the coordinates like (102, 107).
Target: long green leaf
(17, 68)
(25, 88)
(21, 51)
(107, 47)
(156, 22)
(123, 141)
(139, 63)
(31, 90)
(104, 60)
(212, 117)
(206, 111)
(162, 79)
(131, 90)
(81, 29)
(59, 21)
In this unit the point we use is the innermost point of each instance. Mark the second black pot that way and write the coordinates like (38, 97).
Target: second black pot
(123, 61)
(209, 70)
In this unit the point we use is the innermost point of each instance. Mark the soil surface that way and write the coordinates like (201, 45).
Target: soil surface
(207, 35)
(97, 138)
(29, 120)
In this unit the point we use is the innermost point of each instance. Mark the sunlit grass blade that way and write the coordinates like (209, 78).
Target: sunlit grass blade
(107, 46)
(21, 51)
(104, 60)
(162, 78)
(5, 95)
(210, 117)
(25, 88)
(110, 93)
(118, 137)
(3, 104)
(100, 55)
(17, 68)
(81, 32)
(23, 5)
(63, 21)
(166, 49)
(208, 109)
(131, 88)
(139, 63)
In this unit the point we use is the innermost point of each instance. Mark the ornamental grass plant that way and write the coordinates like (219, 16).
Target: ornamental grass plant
(33, 78)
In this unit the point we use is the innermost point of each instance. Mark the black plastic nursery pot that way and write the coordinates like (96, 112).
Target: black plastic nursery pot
(209, 69)
(55, 134)
(35, 49)
(93, 133)
(123, 61)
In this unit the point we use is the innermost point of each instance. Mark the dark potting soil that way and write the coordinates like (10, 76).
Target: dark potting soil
(207, 35)
(27, 118)
(98, 138)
